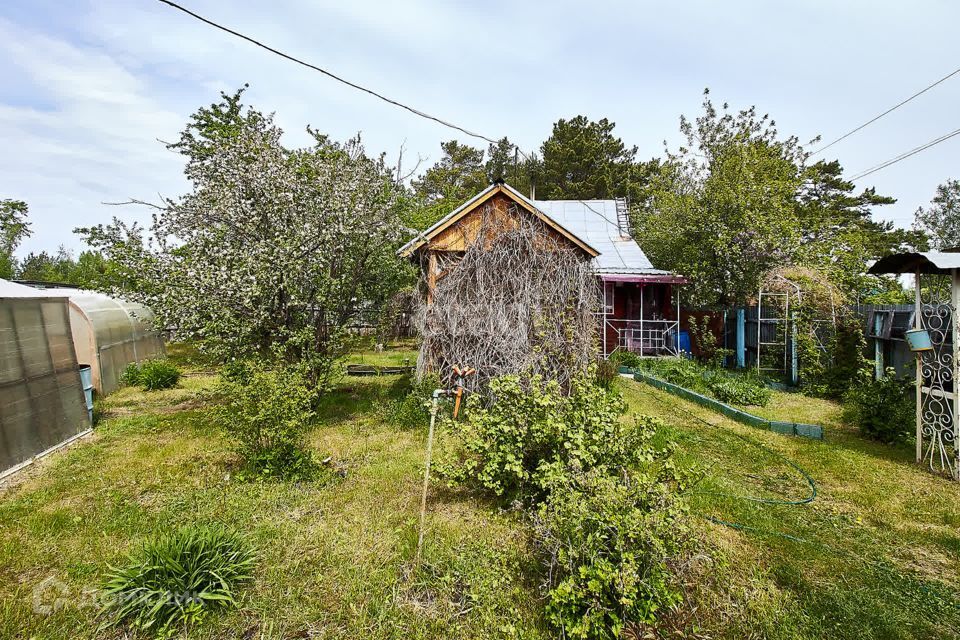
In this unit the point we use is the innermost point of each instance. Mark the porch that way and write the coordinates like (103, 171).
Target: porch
(641, 314)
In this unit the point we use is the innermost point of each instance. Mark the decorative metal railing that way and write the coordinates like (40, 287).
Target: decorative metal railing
(644, 337)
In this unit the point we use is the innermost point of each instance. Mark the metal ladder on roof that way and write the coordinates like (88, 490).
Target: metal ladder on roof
(623, 217)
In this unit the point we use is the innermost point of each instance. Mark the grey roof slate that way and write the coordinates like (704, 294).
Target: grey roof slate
(592, 221)
(595, 222)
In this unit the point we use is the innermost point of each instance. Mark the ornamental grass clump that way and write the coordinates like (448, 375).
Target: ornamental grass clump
(177, 580)
(151, 375)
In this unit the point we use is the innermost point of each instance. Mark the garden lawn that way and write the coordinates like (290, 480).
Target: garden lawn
(875, 555)
(334, 556)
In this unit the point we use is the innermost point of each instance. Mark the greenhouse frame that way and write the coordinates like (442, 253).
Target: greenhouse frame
(109, 334)
(58, 345)
(42, 404)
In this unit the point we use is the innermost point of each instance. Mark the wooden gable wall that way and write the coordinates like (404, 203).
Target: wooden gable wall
(500, 213)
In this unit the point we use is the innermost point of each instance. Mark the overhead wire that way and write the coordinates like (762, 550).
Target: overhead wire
(905, 155)
(888, 111)
(329, 74)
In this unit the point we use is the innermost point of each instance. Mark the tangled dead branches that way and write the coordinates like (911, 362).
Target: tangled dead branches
(518, 299)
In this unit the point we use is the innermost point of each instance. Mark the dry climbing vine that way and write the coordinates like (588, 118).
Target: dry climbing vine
(517, 300)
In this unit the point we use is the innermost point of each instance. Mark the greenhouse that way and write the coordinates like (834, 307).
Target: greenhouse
(42, 402)
(109, 334)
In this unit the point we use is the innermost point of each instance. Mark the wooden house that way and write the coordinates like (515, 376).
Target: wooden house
(639, 311)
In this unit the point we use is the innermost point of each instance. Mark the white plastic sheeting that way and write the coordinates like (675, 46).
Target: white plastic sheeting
(109, 334)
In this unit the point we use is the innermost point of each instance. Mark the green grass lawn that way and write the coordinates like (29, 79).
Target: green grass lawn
(875, 555)
(882, 561)
(333, 559)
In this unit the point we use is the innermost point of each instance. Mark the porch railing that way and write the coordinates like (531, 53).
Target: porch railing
(644, 337)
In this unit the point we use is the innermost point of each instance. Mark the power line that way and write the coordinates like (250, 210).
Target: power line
(893, 108)
(904, 156)
(328, 73)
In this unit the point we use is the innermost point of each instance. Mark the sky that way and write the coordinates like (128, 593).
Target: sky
(90, 89)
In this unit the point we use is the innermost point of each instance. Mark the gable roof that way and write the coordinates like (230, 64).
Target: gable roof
(592, 224)
(595, 221)
(454, 216)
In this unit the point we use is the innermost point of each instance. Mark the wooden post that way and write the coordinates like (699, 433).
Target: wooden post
(431, 275)
(672, 288)
(641, 319)
(741, 338)
(603, 327)
(878, 365)
(918, 324)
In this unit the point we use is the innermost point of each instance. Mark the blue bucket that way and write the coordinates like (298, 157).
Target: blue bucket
(86, 381)
(918, 340)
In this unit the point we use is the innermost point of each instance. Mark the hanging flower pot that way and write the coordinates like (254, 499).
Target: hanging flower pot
(918, 340)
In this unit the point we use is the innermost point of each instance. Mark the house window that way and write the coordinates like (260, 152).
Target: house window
(608, 289)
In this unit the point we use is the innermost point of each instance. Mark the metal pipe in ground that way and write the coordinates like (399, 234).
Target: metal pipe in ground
(426, 475)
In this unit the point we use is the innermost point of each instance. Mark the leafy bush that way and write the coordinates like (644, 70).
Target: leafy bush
(152, 375)
(177, 579)
(268, 413)
(532, 433)
(413, 409)
(883, 409)
(609, 539)
(606, 372)
(743, 388)
(626, 359)
(832, 374)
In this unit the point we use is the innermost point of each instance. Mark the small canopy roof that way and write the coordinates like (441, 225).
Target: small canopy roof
(927, 262)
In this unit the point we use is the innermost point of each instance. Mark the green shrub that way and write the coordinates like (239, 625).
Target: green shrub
(610, 540)
(152, 375)
(412, 411)
(883, 409)
(743, 388)
(159, 374)
(832, 374)
(177, 579)
(527, 433)
(606, 373)
(626, 359)
(268, 413)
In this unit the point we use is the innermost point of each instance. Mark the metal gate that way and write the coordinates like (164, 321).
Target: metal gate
(937, 298)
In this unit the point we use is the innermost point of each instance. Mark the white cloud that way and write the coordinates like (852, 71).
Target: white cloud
(86, 89)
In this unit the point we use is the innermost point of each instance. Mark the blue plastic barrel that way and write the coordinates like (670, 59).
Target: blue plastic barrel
(86, 380)
(683, 342)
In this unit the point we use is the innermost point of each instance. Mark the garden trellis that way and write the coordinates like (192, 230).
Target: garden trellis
(936, 299)
(792, 304)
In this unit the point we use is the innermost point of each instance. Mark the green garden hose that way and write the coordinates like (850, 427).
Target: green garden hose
(810, 498)
(810, 481)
